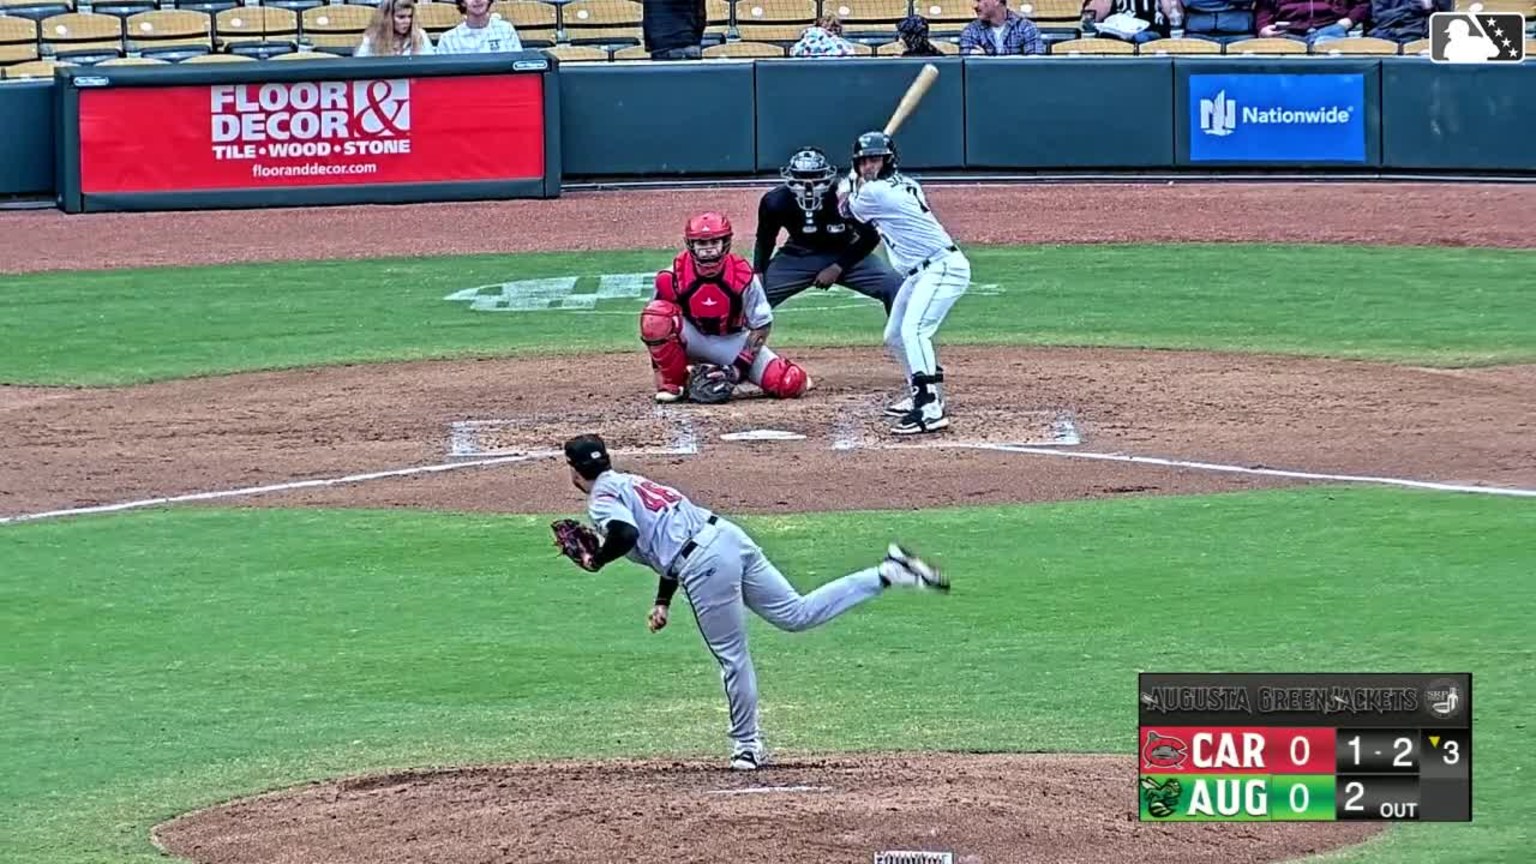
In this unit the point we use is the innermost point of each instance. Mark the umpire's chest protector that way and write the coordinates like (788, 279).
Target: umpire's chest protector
(714, 304)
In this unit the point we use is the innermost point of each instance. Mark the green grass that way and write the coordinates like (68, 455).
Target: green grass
(1422, 305)
(164, 660)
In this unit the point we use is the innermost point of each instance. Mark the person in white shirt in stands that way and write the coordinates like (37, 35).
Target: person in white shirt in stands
(480, 33)
(395, 33)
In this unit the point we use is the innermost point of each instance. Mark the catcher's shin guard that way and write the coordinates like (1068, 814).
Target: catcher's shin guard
(784, 380)
(661, 329)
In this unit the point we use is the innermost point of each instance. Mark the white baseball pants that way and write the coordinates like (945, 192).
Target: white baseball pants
(921, 306)
(727, 574)
(723, 350)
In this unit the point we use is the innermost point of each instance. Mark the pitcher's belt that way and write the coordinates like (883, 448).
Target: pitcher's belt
(683, 553)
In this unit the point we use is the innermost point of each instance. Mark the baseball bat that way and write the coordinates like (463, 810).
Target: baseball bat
(914, 95)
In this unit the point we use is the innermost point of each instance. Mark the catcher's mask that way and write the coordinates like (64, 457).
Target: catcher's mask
(809, 175)
(588, 455)
(708, 237)
(872, 144)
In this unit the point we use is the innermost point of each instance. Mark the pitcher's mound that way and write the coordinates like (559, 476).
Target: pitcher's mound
(813, 809)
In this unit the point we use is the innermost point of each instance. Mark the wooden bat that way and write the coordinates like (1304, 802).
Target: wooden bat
(914, 95)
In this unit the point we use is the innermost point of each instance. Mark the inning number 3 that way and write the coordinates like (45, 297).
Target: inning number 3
(656, 496)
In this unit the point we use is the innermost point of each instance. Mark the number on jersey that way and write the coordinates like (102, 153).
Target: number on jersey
(656, 496)
(922, 200)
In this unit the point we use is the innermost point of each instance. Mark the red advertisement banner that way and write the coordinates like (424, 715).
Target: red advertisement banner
(311, 133)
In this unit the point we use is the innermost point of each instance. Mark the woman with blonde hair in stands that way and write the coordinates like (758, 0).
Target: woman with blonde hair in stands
(394, 32)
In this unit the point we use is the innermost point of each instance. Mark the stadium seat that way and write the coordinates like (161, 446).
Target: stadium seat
(738, 50)
(175, 32)
(33, 69)
(134, 61)
(81, 36)
(1417, 46)
(1159, 47)
(18, 40)
(774, 20)
(1356, 45)
(894, 49)
(1095, 46)
(211, 7)
(945, 17)
(1264, 45)
(867, 18)
(632, 52)
(601, 22)
(718, 20)
(306, 55)
(1054, 14)
(123, 8)
(535, 21)
(578, 53)
(334, 27)
(218, 58)
(256, 26)
(438, 18)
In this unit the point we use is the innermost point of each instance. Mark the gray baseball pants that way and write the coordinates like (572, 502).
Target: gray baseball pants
(726, 574)
(789, 273)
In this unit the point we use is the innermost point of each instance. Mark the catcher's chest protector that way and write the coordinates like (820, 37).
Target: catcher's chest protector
(715, 304)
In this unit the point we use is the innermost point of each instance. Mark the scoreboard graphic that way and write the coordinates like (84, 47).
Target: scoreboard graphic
(1242, 747)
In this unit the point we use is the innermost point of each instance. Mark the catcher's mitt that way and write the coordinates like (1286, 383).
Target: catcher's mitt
(711, 385)
(577, 542)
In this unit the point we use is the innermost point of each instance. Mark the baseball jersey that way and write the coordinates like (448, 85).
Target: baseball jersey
(663, 517)
(822, 230)
(898, 209)
(496, 35)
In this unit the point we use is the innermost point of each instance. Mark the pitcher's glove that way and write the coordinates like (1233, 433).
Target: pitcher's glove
(577, 542)
(711, 385)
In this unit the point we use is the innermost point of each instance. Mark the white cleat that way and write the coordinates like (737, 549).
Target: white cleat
(901, 567)
(749, 756)
(668, 396)
(899, 409)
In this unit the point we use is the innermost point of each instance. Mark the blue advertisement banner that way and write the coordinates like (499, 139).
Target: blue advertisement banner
(1300, 117)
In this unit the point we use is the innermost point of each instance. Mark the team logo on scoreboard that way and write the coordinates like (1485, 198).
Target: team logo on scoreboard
(1162, 797)
(1164, 751)
(1444, 698)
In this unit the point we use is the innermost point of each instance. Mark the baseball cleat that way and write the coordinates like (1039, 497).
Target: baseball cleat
(668, 396)
(901, 567)
(749, 756)
(918, 420)
(899, 409)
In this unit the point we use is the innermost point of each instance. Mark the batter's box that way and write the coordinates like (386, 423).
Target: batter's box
(969, 427)
(638, 432)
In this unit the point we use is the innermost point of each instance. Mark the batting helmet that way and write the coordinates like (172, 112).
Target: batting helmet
(872, 144)
(706, 228)
(809, 175)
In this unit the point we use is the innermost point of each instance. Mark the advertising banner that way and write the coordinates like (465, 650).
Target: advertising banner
(263, 135)
(1301, 117)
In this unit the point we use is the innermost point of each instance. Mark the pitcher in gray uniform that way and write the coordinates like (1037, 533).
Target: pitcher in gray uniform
(722, 572)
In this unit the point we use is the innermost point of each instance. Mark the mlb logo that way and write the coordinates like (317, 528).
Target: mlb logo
(1480, 37)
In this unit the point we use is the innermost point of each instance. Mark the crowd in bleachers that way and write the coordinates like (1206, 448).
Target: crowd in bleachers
(35, 35)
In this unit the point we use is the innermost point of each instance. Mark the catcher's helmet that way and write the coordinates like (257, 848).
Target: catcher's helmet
(809, 175)
(706, 227)
(876, 144)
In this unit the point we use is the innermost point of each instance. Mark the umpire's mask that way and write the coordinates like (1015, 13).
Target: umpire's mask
(809, 175)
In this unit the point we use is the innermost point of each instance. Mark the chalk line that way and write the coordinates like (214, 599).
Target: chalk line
(1267, 472)
(759, 790)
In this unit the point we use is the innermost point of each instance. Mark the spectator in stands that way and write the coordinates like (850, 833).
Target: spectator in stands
(913, 31)
(1134, 20)
(1314, 22)
(1220, 21)
(1404, 20)
(999, 30)
(394, 32)
(480, 32)
(823, 39)
(674, 29)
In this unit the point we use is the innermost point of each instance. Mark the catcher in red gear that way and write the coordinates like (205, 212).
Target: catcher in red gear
(710, 312)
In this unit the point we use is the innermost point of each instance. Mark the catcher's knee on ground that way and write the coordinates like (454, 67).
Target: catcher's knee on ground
(783, 379)
(661, 329)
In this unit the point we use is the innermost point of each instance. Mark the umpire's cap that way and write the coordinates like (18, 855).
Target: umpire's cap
(588, 455)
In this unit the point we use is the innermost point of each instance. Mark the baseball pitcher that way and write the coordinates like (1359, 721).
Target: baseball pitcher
(934, 270)
(710, 309)
(721, 570)
(825, 247)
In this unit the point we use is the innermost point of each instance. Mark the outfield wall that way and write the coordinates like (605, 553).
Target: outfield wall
(736, 118)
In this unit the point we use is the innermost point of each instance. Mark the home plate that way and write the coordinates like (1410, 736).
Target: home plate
(763, 435)
(760, 790)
